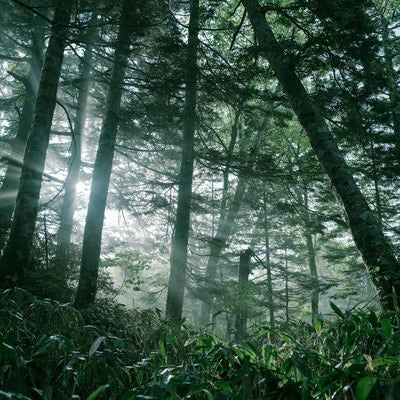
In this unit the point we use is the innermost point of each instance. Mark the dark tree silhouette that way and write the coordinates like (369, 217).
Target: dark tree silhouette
(176, 284)
(17, 254)
(91, 247)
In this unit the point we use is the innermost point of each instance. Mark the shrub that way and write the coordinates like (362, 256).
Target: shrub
(51, 351)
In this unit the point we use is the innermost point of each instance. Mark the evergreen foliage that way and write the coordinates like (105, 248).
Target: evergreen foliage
(212, 136)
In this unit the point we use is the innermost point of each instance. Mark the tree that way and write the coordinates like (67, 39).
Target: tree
(225, 225)
(91, 247)
(176, 283)
(302, 196)
(374, 247)
(67, 209)
(9, 187)
(243, 281)
(16, 257)
(268, 266)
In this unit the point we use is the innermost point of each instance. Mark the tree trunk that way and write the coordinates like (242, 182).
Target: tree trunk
(312, 262)
(243, 280)
(9, 188)
(177, 276)
(287, 311)
(218, 243)
(61, 261)
(91, 246)
(225, 226)
(16, 257)
(270, 287)
(374, 247)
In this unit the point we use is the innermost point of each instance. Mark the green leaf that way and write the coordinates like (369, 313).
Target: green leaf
(317, 324)
(209, 395)
(266, 354)
(386, 327)
(13, 396)
(395, 301)
(8, 346)
(190, 340)
(336, 309)
(385, 361)
(129, 395)
(223, 385)
(162, 346)
(139, 376)
(97, 392)
(364, 387)
(301, 365)
(95, 345)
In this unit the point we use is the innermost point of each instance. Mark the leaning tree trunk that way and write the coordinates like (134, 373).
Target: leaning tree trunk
(64, 232)
(177, 276)
(16, 257)
(9, 187)
(91, 246)
(374, 247)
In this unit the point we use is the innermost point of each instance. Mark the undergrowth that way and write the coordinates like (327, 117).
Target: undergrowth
(51, 351)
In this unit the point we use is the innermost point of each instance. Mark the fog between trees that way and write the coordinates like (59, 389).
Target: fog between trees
(185, 136)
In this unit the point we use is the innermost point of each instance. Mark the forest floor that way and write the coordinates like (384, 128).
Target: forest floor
(52, 351)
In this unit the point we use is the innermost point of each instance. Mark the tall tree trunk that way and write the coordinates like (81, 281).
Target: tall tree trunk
(67, 209)
(374, 247)
(177, 276)
(91, 246)
(312, 262)
(9, 187)
(16, 257)
(243, 280)
(287, 311)
(219, 242)
(270, 289)
(225, 224)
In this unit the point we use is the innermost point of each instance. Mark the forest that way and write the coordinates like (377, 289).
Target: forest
(199, 199)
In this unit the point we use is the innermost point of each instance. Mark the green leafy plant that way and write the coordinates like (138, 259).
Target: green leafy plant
(52, 351)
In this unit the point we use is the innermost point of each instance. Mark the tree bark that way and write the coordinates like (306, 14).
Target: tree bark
(9, 187)
(218, 243)
(177, 276)
(287, 311)
(225, 224)
(243, 280)
(374, 247)
(16, 257)
(270, 287)
(61, 261)
(91, 246)
(312, 261)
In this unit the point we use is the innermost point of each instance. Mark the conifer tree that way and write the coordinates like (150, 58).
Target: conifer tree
(91, 247)
(374, 247)
(17, 254)
(177, 278)
(9, 187)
